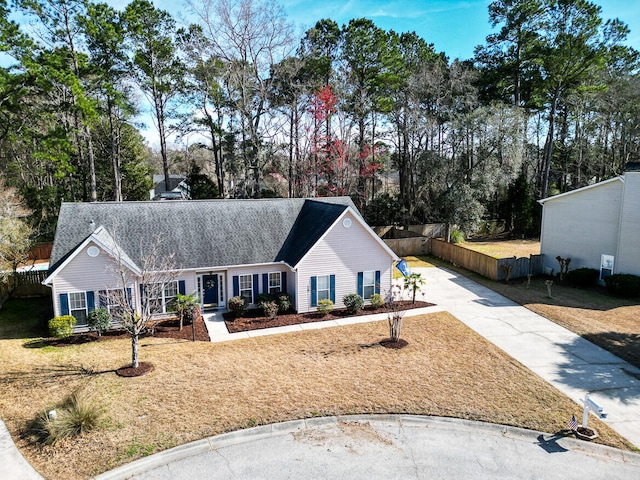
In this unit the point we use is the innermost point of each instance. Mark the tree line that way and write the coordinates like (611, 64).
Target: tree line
(549, 103)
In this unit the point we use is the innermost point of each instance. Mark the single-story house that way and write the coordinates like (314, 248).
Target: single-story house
(313, 249)
(597, 226)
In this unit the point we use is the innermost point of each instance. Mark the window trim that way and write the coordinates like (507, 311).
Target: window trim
(163, 298)
(86, 306)
(250, 298)
(318, 289)
(368, 285)
(119, 295)
(278, 286)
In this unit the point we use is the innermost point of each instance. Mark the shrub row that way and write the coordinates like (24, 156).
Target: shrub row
(623, 285)
(619, 284)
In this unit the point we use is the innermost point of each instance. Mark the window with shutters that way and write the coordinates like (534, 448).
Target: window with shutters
(78, 307)
(322, 287)
(275, 282)
(368, 284)
(246, 288)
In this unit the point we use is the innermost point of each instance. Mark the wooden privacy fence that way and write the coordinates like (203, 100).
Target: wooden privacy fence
(40, 251)
(485, 265)
(24, 284)
(404, 247)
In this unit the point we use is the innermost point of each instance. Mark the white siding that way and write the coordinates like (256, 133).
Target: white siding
(260, 270)
(628, 259)
(84, 273)
(343, 252)
(582, 226)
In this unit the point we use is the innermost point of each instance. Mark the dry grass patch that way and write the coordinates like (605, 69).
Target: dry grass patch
(202, 389)
(504, 248)
(610, 322)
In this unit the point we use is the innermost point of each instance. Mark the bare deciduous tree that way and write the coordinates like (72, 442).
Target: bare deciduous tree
(148, 281)
(249, 37)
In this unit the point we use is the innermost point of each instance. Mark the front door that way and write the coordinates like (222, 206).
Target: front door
(210, 290)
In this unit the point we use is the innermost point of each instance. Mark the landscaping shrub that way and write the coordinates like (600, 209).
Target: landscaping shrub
(264, 297)
(353, 302)
(583, 277)
(284, 302)
(325, 306)
(76, 415)
(623, 285)
(62, 327)
(377, 301)
(237, 305)
(99, 320)
(270, 309)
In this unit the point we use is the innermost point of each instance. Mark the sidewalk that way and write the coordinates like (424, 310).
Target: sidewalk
(12, 463)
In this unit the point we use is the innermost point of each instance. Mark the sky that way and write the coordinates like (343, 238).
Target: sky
(455, 27)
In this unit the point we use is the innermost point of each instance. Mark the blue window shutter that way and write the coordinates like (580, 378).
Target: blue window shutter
(314, 292)
(256, 287)
(130, 297)
(182, 289)
(64, 304)
(102, 298)
(236, 285)
(283, 279)
(265, 283)
(360, 284)
(332, 288)
(91, 301)
(377, 287)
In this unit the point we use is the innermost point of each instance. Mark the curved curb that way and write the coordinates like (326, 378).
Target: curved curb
(278, 429)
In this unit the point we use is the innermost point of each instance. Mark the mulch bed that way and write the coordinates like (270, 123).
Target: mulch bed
(255, 320)
(129, 371)
(164, 329)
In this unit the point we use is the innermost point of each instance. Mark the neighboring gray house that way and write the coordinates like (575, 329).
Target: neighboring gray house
(597, 226)
(310, 248)
(178, 188)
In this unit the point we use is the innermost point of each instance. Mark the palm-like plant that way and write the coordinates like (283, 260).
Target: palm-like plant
(413, 282)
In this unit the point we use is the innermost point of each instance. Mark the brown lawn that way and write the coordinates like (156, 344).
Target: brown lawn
(201, 389)
(611, 322)
(504, 248)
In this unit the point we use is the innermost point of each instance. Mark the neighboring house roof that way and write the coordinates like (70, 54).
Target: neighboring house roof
(588, 187)
(177, 185)
(201, 233)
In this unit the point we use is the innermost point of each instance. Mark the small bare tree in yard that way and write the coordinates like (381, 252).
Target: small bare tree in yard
(394, 316)
(149, 280)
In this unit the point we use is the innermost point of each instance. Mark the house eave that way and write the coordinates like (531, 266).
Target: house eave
(582, 189)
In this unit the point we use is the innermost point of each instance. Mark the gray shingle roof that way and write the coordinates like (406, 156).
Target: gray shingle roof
(203, 233)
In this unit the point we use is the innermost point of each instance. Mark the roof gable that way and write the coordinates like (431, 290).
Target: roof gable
(314, 220)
